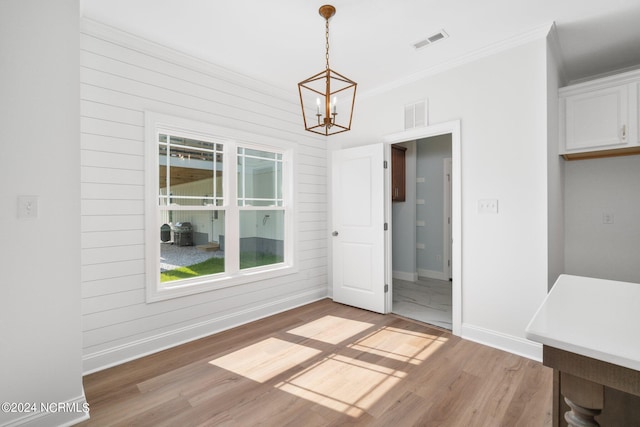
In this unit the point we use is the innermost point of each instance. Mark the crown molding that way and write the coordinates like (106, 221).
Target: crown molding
(602, 81)
(131, 41)
(621, 75)
(506, 44)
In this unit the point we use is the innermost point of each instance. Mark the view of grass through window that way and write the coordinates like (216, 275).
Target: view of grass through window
(216, 265)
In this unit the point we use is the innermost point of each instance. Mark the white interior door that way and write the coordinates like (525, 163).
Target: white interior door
(358, 233)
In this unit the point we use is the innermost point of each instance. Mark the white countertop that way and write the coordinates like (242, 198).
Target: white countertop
(592, 317)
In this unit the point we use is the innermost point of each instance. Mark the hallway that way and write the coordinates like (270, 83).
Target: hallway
(427, 300)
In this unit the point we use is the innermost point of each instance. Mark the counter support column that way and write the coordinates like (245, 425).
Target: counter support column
(580, 416)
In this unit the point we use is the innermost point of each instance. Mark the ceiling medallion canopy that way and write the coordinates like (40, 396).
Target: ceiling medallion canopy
(321, 94)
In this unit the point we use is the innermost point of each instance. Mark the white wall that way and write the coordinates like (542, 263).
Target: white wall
(404, 222)
(501, 101)
(121, 77)
(40, 339)
(430, 166)
(593, 188)
(555, 163)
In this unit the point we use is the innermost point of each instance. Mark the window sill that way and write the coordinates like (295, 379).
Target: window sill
(163, 292)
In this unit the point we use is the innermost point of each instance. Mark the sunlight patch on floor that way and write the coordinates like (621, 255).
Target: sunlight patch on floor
(350, 378)
(344, 384)
(265, 359)
(400, 344)
(331, 329)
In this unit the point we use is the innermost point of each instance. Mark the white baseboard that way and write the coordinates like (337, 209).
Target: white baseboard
(98, 361)
(438, 275)
(510, 343)
(403, 275)
(60, 414)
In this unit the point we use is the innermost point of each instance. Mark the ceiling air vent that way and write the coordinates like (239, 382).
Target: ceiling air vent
(440, 35)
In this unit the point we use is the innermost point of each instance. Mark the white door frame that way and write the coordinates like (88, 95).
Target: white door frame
(447, 218)
(453, 128)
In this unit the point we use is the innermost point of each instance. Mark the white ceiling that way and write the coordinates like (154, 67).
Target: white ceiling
(281, 42)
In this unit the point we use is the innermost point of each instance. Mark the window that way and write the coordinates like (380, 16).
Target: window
(261, 207)
(218, 208)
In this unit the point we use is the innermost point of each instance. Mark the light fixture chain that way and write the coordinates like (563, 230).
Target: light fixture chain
(327, 37)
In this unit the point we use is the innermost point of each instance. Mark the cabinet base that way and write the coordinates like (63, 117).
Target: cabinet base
(602, 153)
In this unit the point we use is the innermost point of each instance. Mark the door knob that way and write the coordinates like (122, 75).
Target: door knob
(334, 234)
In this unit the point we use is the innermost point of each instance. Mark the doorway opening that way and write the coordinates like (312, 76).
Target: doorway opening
(424, 248)
(422, 232)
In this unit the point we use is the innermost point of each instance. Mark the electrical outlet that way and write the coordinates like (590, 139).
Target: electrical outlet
(607, 218)
(420, 179)
(489, 206)
(27, 207)
(420, 246)
(421, 223)
(420, 202)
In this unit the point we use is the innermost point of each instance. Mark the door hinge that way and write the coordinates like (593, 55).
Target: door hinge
(448, 263)
(386, 288)
(386, 226)
(385, 164)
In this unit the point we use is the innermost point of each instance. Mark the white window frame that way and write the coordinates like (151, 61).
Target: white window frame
(156, 124)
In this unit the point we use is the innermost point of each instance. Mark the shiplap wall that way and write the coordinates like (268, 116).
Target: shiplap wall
(121, 78)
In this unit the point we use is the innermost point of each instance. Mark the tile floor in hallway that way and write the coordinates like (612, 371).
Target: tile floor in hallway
(426, 300)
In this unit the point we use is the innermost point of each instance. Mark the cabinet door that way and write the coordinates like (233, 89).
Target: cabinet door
(597, 119)
(398, 173)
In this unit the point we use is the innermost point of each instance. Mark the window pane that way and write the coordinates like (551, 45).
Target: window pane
(191, 244)
(162, 161)
(190, 172)
(261, 238)
(259, 178)
(191, 143)
(190, 176)
(254, 202)
(257, 153)
(279, 182)
(240, 177)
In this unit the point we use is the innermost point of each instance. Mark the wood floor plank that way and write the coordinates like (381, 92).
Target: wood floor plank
(324, 364)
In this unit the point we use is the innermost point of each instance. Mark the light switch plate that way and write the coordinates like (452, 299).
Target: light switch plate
(27, 207)
(489, 206)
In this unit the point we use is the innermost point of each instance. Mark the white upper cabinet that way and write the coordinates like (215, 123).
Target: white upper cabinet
(600, 117)
(597, 119)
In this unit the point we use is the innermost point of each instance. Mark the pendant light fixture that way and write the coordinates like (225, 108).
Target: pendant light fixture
(327, 98)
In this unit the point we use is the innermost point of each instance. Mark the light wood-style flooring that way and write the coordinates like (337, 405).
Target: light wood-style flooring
(324, 364)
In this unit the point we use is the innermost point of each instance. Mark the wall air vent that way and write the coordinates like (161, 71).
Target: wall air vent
(440, 35)
(415, 115)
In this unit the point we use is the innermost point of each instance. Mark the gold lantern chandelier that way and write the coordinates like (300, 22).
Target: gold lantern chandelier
(321, 93)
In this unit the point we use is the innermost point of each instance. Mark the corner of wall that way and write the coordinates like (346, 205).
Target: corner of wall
(555, 163)
(555, 50)
(516, 345)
